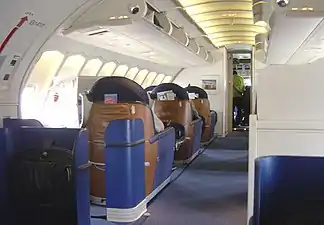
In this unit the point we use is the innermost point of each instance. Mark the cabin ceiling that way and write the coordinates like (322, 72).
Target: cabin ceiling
(211, 24)
(139, 37)
(225, 22)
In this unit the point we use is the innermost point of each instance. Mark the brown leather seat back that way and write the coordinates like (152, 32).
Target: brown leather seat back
(99, 118)
(178, 111)
(203, 108)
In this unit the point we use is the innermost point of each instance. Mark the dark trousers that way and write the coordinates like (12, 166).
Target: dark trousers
(238, 103)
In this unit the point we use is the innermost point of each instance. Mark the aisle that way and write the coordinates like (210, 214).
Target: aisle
(211, 191)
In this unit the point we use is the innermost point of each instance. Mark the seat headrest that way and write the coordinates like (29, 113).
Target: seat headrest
(125, 89)
(150, 99)
(180, 92)
(197, 90)
(150, 88)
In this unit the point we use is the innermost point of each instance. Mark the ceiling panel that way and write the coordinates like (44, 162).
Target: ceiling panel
(235, 27)
(225, 22)
(217, 6)
(188, 3)
(222, 14)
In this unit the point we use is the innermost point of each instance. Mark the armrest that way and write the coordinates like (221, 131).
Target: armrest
(160, 135)
(179, 143)
(195, 121)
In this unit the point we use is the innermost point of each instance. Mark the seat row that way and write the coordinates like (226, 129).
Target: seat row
(119, 162)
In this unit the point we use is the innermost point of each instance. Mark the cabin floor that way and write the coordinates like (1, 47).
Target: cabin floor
(212, 190)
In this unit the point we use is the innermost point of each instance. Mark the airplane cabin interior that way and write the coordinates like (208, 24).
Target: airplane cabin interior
(161, 112)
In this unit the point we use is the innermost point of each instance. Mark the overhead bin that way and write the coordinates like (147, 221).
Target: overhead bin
(210, 57)
(202, 52)
(179, 34)
(309, 8)
(290, 31)
(193, 46)
(287, 36)
(162, 21)
(139, 20)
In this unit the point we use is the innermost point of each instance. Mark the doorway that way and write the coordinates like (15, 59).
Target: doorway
(241, 90)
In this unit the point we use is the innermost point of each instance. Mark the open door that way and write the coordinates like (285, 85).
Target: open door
(241, 89)
(230, 92)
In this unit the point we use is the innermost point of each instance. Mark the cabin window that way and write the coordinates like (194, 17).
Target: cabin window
(131, 74)
(32, 98)
(61, 109)
(121, 71)
(91, 68)
(108, 69)
(167, 79)
(158, 79)
(141, 76)
(28, 102)
(149, 79)
(71, 67)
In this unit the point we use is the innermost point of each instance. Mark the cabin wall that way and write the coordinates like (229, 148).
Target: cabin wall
(290, 114)
(43, 18)
(195, 75)
(290, 110)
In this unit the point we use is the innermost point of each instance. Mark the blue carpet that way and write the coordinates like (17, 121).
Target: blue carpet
(238, 134)
(98, 211)
(234, 141)
(204, 194)
(211, 191)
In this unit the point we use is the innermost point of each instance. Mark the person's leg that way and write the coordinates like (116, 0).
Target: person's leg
(246, 112)
(233, 114)
(239, 114)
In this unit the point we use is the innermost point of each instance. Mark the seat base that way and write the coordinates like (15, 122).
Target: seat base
(179, 143)
(188, 161)
(205, 143)
(130, 214)
(97, 200)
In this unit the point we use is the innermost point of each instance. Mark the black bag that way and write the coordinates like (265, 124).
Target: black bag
(41, 183)
(179, 129)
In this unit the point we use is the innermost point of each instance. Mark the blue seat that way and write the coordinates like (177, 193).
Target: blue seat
(3, 177)
(150, 88)
(202, 105)
(286, 194)
(179, 111)
(47, 180)
(123, 129)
